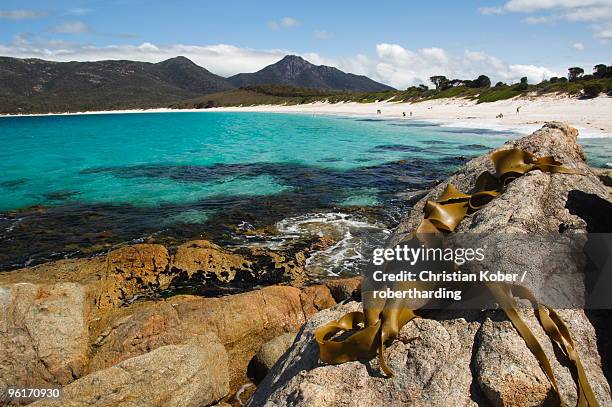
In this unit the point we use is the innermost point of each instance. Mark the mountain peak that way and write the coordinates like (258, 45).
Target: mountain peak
(293, 59)
(178, 60)
(292, 66)
(295, 71)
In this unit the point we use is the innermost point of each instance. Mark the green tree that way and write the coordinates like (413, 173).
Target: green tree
(439, 81)
(574, 73)
(600, 70)
(523, 85)
(482, 81)
(592, 90)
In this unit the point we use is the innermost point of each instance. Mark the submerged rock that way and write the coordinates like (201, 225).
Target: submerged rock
(467, 358)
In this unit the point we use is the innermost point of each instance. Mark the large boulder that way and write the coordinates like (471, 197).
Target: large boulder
(43, 334)
(242, 322)
(269, 353)
(109, 281)
(431, 361)
(535, 202)
(190, 375)
(467, 358)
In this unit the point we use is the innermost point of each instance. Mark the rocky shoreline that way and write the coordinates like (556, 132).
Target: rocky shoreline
(78, 323)
(115, 330)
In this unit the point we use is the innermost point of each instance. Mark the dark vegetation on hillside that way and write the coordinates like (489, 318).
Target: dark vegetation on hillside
(37, 86)
(480, 89)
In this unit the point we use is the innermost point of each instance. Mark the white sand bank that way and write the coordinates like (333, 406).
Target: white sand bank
(593, 117)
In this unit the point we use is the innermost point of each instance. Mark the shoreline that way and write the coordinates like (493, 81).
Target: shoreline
(590, 116)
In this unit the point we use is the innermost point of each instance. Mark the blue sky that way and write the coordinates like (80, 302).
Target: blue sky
(397, 42)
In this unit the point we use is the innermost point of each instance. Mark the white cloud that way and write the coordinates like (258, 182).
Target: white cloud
(528, 6)
(392, 64)
(534, 74)
(604, 33)
(21, 14)
(536, 20)
(578, 46)
(323, 34)
(590, 14)
(221, 59)
(597, 13)
(475, 55)
(70, 27)
(435, 54)
(285, 22)
(401, 67)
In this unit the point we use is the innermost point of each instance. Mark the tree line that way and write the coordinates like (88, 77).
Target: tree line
(600, 71)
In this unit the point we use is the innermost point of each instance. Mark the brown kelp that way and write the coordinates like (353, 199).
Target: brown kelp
(361, 335)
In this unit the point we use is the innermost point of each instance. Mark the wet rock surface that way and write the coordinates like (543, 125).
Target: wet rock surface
(150, 271)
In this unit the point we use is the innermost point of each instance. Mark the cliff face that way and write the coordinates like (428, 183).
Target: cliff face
(468, 358)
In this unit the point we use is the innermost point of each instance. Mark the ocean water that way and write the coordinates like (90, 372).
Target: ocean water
(78, 185)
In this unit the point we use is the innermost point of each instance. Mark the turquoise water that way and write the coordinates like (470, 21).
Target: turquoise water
(133, 175)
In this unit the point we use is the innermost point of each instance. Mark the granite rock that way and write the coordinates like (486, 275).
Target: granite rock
(468, 358)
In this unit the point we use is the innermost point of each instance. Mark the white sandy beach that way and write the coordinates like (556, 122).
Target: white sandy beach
(593, 117)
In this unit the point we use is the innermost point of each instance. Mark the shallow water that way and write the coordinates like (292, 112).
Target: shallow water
(77, 185)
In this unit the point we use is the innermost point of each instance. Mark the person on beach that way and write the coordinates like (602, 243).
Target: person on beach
(410, 114)
(404, 114)
(378, 111)
(518, 108)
